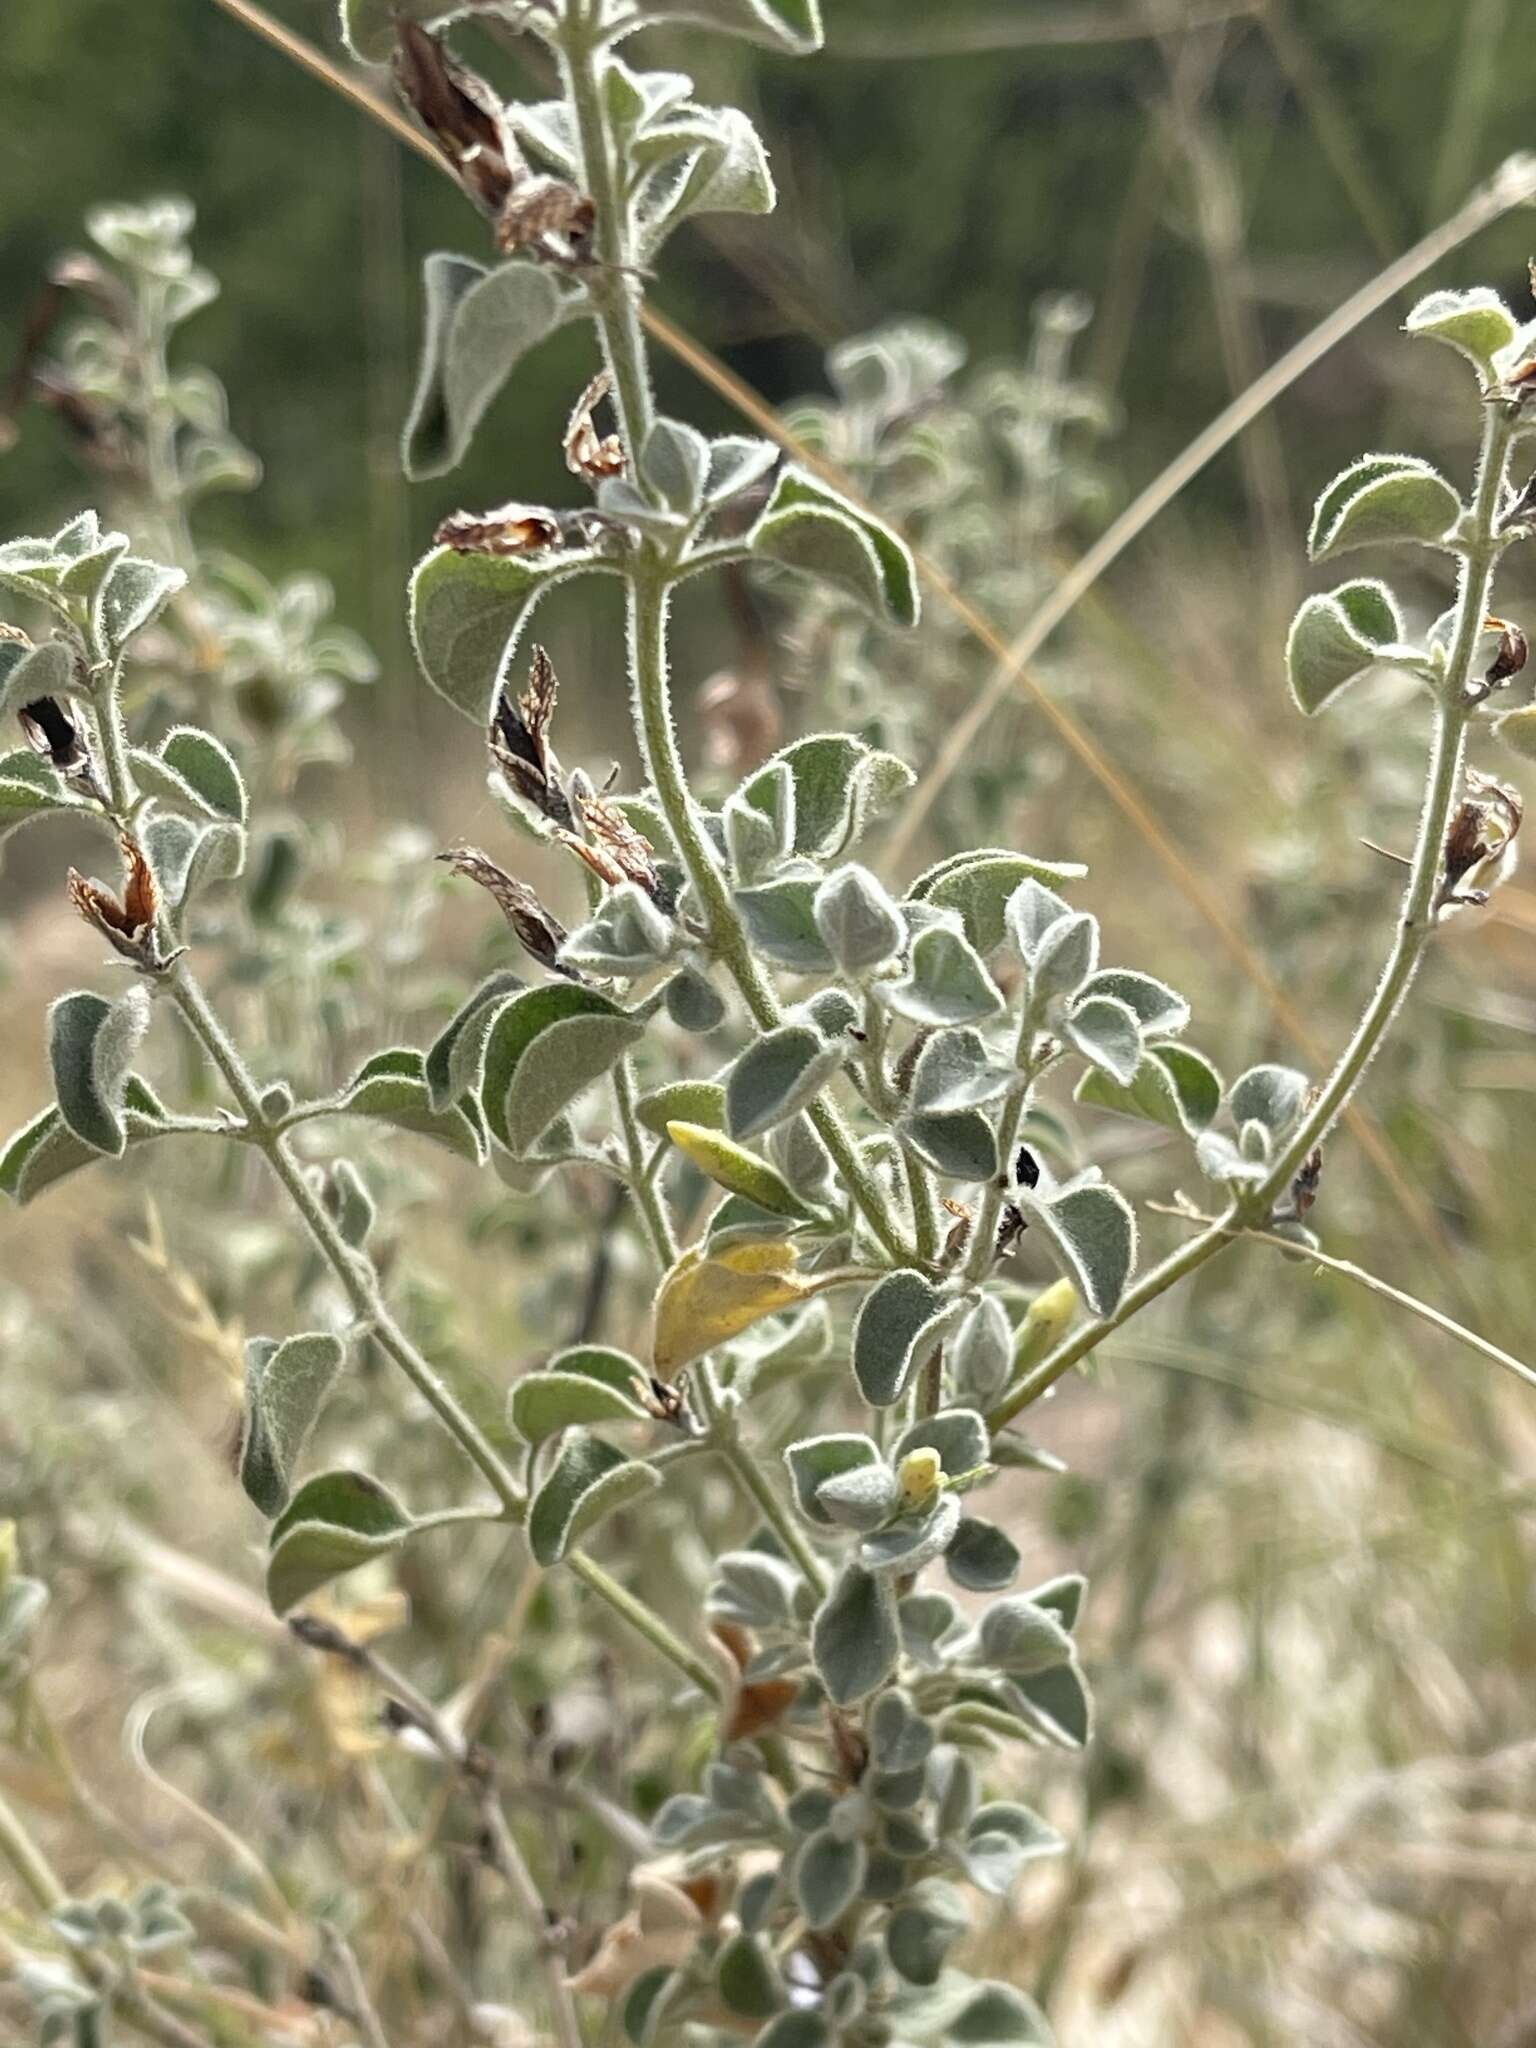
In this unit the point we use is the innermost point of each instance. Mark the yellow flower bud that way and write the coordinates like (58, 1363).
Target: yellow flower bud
(1049, 1317)
(919, 1475)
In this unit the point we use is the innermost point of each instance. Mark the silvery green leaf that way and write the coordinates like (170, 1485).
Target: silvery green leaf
(391, 1087)
(1269, 1095)
(1476, 323)
(900, 1738)
(862, 1498)
(1022, 1638)
(468, 613)
(46, 1150)
(855, 1639)
(982, 1558)
(618, 499)
(980, 1355)
(795, 2030)
(804, 1161)
(543, 1048)
(547, 129)
(815, 1459)
(1058, 1703)
(1001, 1839)
(50, 669)
(456, 1057)
(30, 789)
(857, 920)
(1253, 1142)
(1221, 1161)
(188, 858)
(960, 1146)
(755, 841)
(32, 568)
(955, 1071)
(789, 26)
(693, 1003)
(746, 1977)
(1105, 1031)
(1174, 1086)
(1335, 638)
(356, 1210)
(1383, 500)
(736, 461)
(627, 936)
(334, 1523)
(780, 918)
(1063, 1596)
(841, 785)
(208, 769)
(776, 1077)
(689, 1102)
(930, 1624)
(914, 1541)
(808, 526)
(980, 885)
(589, 1480)
(1032, 911)
(85, 573)
(923, 1929)
(674, 463)
(478, 326)
(1064, 957)
(945, 982)
(899, 1322)
(1157, 1007)
(542, 1404)
(756, 1589)
(829, 1873)
(833, 1012)
(959, 1435)
(720, 166)
(135, 593)
(1094, 1228)
(91, 1044)
(286, 1385)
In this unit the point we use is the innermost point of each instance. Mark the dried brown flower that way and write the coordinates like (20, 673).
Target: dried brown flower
(587, 453)
(505, 530)
(129, 923)
(1483, 829)
(519, 743)
(547, 217)
(613, 849)
(538, 932)
(1512, 652)
(52, 731)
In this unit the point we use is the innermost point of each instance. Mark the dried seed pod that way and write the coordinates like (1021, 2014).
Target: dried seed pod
(1483, 829)
(519, 743)
(613, 849)
(587, 453)
(538, 932)
(1512, 652)
(461, 113)
(546, 217)
(128, 923)
(505, 530)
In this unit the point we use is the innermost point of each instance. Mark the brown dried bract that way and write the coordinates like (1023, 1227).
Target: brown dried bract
(52, 732)
(587, 453)
(519, 743)
(538, 932)
(1483, 829)
(546, 217)
(613, 849)
(505, 530)
(1308, 1179)
(129, 923)
(462, 114)
(1512, 652)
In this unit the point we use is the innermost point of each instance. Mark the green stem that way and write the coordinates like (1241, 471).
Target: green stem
(642, 1185)
(1416, 924)
(37, 1875)
(982, 1252)
(644, 1622)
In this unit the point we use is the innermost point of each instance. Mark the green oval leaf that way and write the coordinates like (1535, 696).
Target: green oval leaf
(978, 885)
(899, 1321)
(1094, 1228)
(808, 526)
(1383, 500)
(1336, 637)
(1476, 323)
(455, 1060)
(543, 1049)
(90, 1045)
(392, 1088)
(544, 1403)
(855, 1638)
(286, 1386)
(467, 613)
(776, 1077)
(589, 1480)
(334, 1523)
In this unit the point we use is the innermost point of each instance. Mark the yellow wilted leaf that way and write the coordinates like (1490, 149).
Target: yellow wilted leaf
(711, 1296)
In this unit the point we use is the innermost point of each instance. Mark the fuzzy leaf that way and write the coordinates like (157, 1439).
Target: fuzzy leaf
(1105, 1031)
(135, 593)
(1066, 955)
(334, 1523)
(208, 769)
(714, 1293)
(29, 789)
(746, 1978)
(675, 462)
(1383, 500)
(90, 1045)
(776, 1077)
(286, 1386)
(808, 526)
(701, 1103)
(982, 1558)
(1031, 912)
(780, 918)
(542, 1404)
(1476, 323)
(857, 920)
(789, 26)
(817, 1460)
(1337, 637)
(478, 326)
(861, 1499)
(693, 1003)
(959, 1435)
(955, 1071)
(855, 1638)
(27, 673)
(1095, 1230)
(960, 1146)
(543, 1048)
(980, 885)
(1022, 1638)
(46, 1149)
(467, 614)
(589, 1480)
(1058, 1702)
(734, 1168)
(899, 1322)
(829, 1874)
(916, 1540)
(1001, 1839)
(1175, 1086)
(392, 1087)
(455, 1060)
(736, 461)
(1269, 1095)
(1157, 1007)
(841, 784)
(924, 1927)
(945, 982)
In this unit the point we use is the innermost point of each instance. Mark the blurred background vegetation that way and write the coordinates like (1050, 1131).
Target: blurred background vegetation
(1308, 1818)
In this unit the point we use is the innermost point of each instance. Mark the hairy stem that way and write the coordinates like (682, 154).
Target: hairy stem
(1416, 924)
